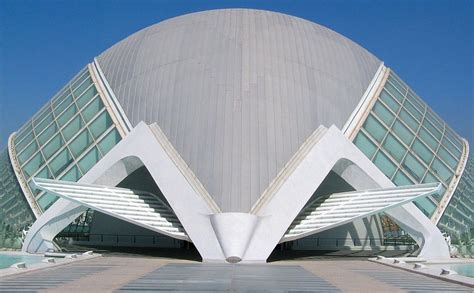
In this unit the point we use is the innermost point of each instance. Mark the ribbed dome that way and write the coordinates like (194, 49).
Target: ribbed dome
(237, 91)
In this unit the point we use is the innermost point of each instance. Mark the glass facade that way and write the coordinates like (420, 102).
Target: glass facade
(458, 218)
(15, 213)
(408, 142)
(66, 137)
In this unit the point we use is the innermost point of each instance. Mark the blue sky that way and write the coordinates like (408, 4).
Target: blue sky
(43, 44)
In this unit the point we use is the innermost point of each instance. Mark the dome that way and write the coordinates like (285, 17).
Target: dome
(237, 91)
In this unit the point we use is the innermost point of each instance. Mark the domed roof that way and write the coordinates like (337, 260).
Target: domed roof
(237, 91)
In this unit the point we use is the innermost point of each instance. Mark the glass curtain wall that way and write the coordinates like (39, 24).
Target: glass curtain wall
(15, 213)
(408, 142)
(458, 217)
(70, 134)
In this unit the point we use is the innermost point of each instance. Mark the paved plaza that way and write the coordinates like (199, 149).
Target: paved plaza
(145, 274)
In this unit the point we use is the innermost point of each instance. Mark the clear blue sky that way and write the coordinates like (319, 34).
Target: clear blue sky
(43, 44)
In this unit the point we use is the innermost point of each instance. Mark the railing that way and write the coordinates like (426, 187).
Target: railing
(117, 238)
(340, 242)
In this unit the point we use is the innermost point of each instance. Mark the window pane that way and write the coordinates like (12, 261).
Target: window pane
(397, 83)
(64, 118)
(434, 119)
(61, 97)
(389, 101)
(80, 143)
(409, 120)
(42, 125)
(428, 139)
(47, 200)
(413, 111)
(72, 175)
(422, 151)
(441, 170)
(430, 178)
(86, 97)
(60, 162)
(402, 132)
(449, 146)
(401, 179)
(82, 87)
(395, 93)
(454, 138)
(383, 113)
(100, 124)
(89, 160)
(52, 146)
(375, 128)
(24, 131)
(44, 173)
(92, 109)
(27, 152)
(47, 134)
(33, 165)
(416, 101)
(448, 158)
(27, 139)
(45, 111)
(394, 147)
(384, 164)
(414, 167)
(432, 129)
(73, 127)
(113, 137)
(68, 101)
(80, 78)
(426, 206)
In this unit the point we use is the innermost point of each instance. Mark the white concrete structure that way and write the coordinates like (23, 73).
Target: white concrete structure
(238, 130)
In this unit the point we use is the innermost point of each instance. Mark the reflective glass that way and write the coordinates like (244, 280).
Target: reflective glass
(26, 140)
(33, 165)
(100, 124)
(375, 128)
(401, 179)
(48, 133)
(60, 162)
(27, 152)
(395, 93)
(412, 110)
(454, 138)
(24, 131)
(448, 158)
(80, 143)
(72, 175)
(80, 79)
(383, 113)
(53, 145)
(426, 206)
(45, 122)
(44, 173)
(92, 109)
(441, 170)
(89, 160)
(60, 98)
(430, 115)
(73, 127)
(66, 115)
(68, 101)
(82, 87)
(414, 167)
(416, 101)
(47, 200)
(428, 139)
(397, 83)
(422, 151)
(428, 125)
(86, 97)
(384, 164)
(45, 111)
(113, 137)
(402, 132)
(409, 120)
(394, 147)
(389, 101)
(449, 146)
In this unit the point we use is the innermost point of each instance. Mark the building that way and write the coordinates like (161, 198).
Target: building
(236, 130)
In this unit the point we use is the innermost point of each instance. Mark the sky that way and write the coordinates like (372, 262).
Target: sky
(429, 44)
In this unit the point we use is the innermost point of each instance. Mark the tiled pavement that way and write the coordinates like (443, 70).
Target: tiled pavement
(132, 274)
